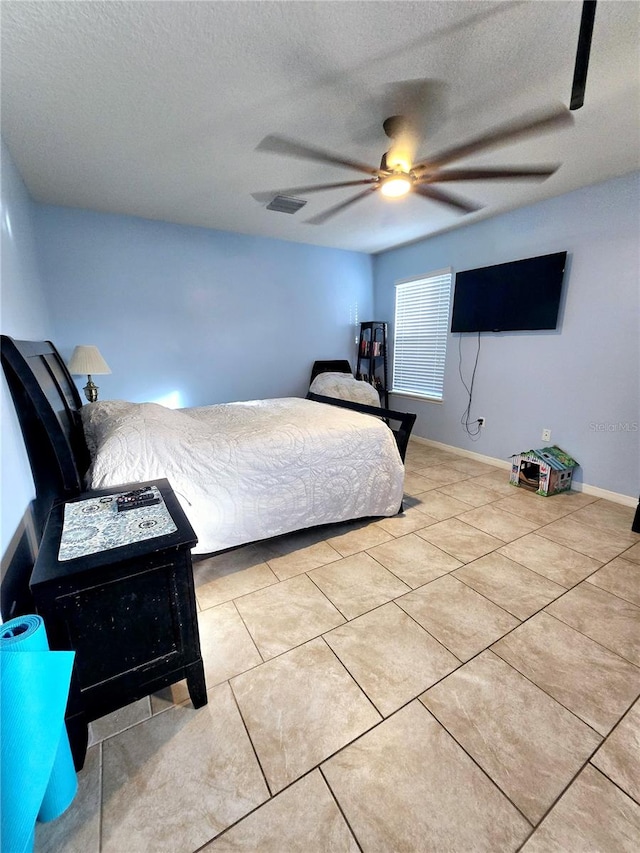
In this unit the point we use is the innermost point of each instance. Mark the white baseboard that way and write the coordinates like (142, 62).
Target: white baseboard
(460, 451)
(605, 494)
(615, 497)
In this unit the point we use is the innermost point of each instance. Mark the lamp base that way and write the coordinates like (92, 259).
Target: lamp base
(91, 390)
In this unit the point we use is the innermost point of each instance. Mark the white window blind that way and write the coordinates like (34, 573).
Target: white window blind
(420, 340)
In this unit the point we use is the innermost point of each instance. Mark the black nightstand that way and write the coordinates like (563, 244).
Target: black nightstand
(128, 612)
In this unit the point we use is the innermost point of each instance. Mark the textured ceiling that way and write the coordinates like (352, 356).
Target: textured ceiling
(155, 108)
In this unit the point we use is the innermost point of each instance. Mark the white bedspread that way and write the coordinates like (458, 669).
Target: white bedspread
(344, 386)
(249, 471)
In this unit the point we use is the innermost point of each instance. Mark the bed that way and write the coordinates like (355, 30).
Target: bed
(242, 471)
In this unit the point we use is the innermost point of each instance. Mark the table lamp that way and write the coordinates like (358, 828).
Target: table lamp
(87, 360)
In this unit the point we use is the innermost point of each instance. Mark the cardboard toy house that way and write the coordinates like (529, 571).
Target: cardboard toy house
(546, 471)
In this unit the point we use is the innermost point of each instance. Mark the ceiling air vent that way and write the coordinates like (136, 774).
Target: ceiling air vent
(285, 204)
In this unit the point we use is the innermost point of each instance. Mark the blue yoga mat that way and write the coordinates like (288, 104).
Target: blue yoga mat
(37, 776)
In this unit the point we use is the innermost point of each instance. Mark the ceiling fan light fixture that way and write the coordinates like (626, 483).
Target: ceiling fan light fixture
(398, 160)
(396, 186)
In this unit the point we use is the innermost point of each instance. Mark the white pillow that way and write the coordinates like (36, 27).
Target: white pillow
(343, 386)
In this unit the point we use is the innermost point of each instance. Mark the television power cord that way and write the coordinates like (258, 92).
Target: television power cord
(473, 428)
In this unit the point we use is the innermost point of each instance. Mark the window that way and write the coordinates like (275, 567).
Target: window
(420, 340)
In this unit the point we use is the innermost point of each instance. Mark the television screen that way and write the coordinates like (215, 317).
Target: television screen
(521, 295)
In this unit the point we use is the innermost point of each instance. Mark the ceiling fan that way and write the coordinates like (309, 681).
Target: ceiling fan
(399, 174)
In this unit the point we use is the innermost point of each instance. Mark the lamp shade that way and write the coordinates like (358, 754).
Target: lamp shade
(87, 360)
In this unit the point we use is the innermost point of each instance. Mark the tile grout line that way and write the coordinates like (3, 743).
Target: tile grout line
(613, 651)
(246, 627)
(360, 688)
(547, 523)
(497, 550)
(255, 809)
(101, 816)
(320, 590)
(502, 606)
(521, 565)
(517, 539)
(535, 571)
(546, 693)
(479, 766)
(506, 634)
(604, 589)
(524, 675)
(560, 795)
(601, 530)
(396, 575)
(340, 809)
(246, 728)
(433, 637)
(620, 720)
(613, 781)
(597, 642)
(124, 728)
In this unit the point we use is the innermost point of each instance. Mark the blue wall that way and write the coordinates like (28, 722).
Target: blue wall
(581, 381)
(24, 315)
(211, 315)
(214, 316)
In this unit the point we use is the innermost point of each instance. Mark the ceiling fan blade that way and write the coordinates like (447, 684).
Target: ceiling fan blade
(540, 172)
(445, 198)
(291, 148)
(320, 187)
(527, 126)
(331, 211)
(582, 54)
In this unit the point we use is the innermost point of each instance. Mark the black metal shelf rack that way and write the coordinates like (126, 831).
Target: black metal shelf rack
(372, 358)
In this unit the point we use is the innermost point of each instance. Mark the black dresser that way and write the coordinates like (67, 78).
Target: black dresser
(129, 611)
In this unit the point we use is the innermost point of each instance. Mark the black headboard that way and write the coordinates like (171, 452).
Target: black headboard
(48, 408)
(336, 366)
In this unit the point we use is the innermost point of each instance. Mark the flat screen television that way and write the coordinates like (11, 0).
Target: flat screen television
(520, 295)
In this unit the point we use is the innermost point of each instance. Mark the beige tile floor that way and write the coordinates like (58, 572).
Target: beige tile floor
(463, 677)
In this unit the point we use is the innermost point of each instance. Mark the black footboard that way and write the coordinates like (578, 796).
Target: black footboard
(406, 420)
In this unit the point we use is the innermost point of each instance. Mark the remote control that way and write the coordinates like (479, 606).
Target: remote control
(136, 492)
(136, 499)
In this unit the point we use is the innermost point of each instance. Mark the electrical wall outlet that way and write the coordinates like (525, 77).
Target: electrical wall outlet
(546, 435)
(482, 422)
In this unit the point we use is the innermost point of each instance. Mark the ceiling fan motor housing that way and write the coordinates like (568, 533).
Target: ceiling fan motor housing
(394, 125)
